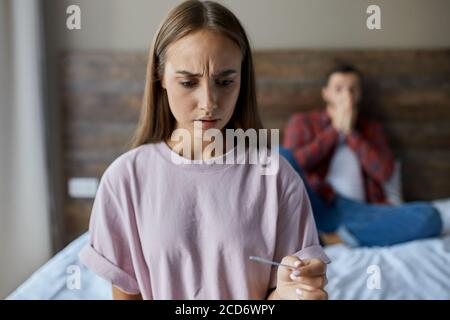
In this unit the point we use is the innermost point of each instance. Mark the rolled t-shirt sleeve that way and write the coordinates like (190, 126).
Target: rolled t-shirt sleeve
(296, 228)
(108, 253)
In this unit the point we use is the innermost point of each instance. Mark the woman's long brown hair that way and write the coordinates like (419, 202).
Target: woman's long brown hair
(156, 121)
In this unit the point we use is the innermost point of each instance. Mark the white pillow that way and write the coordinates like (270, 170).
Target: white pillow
(393, 187)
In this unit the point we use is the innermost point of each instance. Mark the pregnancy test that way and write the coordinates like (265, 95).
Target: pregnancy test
(262, 260)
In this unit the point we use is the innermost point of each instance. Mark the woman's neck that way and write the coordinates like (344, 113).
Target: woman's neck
(199, 149)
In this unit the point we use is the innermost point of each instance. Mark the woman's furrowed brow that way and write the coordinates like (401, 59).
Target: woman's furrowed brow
(223, 73)
(188, 73)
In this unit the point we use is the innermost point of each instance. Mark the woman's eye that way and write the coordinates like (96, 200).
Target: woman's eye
(187, 84)
(224, 83)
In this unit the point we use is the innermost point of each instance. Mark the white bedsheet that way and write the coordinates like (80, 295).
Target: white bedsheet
(56, 279)
(414, 270)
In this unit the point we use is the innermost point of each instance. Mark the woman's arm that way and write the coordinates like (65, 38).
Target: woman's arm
(120, 295)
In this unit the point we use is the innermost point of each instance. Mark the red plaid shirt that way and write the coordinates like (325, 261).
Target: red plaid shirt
(313, 139)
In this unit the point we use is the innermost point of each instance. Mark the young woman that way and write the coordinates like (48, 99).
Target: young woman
(165, 229)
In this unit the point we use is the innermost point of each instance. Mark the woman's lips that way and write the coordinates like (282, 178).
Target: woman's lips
(207, 124)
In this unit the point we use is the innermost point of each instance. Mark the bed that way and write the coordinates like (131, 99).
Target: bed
(413, 270)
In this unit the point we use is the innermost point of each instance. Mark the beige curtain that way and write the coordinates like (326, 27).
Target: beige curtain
(24, 202)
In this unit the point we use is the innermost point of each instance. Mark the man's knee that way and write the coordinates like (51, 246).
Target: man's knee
(430, 221)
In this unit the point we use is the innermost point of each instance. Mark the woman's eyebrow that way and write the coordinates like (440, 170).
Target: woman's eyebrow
(223, 73)
(188, 73)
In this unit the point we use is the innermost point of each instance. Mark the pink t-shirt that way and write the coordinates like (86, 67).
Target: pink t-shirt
(186, 231)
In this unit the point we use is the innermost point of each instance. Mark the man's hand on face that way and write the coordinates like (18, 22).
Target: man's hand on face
(348, 114)
(342, 95)
(343, 114)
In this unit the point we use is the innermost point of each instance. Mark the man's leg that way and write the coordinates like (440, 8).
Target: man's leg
(364, 224)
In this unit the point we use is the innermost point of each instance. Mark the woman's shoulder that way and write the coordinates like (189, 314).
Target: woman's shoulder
(125, 165)
(276, 169)
(288, 179)
(286, 172)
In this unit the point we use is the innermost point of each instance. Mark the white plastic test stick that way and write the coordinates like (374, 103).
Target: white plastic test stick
(262, 260)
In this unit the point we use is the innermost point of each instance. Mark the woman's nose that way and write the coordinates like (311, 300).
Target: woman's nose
(208, 99)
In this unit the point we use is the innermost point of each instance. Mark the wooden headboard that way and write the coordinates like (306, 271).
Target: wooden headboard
(408, 90)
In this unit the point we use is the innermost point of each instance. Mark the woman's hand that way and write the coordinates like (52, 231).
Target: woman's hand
(305, 281)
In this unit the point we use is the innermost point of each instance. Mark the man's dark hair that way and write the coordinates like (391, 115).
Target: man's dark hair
(343, 68)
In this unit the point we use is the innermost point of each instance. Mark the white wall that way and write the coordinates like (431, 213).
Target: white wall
(5, 140)
(130, 25)
(24, 220)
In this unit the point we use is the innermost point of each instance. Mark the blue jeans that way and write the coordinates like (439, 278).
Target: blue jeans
(363, 224)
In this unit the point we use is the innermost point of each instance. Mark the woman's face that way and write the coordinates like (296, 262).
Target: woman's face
(202, 77)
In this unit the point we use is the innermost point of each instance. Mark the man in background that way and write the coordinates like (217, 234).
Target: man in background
(344, 158)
